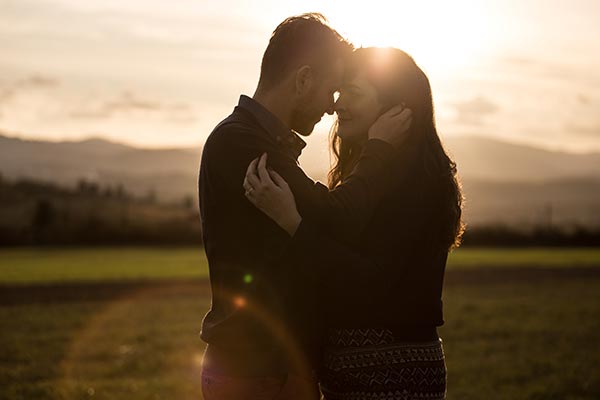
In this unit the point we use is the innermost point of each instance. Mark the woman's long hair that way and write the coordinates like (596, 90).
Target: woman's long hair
(398, 79)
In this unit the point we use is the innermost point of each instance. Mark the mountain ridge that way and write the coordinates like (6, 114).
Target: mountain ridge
(477, 158)
(503, 182)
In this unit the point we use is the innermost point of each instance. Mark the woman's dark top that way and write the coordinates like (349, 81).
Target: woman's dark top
(403, 254)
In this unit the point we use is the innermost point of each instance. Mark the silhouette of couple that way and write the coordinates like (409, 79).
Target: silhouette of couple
(335, 290)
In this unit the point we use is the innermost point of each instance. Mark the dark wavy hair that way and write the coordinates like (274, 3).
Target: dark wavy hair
(398, 79)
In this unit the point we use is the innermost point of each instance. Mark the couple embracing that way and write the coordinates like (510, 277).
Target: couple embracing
(334, 290)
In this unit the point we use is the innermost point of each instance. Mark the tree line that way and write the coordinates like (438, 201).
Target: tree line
(34, 213)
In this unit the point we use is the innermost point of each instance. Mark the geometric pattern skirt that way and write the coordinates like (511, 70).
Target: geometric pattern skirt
(368, 364)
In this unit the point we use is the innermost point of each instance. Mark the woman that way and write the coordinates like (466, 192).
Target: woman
(381, 339)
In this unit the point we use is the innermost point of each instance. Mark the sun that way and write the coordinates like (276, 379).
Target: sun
(441, 36)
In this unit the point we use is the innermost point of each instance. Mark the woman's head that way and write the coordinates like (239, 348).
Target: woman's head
(376, 79)
(357, 107)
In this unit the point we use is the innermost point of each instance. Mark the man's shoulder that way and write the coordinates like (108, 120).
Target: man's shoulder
(237, 137)
(233, 128)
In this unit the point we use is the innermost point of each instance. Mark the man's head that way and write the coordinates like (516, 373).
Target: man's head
(304, 63)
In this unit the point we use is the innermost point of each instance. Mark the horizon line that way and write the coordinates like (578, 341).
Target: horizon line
(137, 145)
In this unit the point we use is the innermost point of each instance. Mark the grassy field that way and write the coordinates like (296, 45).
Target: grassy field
(26, 265)
(524, 329)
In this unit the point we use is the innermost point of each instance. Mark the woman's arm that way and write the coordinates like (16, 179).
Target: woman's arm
(352, 203)
(349, 206)
(342, 269)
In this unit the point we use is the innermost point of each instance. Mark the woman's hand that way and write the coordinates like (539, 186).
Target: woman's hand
(271, 194)
(392, 126)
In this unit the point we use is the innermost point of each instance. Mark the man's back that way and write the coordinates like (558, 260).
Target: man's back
(249, 316)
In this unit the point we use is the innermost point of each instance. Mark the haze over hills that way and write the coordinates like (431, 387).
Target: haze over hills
(170, 172)
(489, 159)
(503, 182)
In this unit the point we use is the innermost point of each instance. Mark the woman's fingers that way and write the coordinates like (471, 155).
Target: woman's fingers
(262, 171)
(251, 198)
(404, 114)
(260, 180)
(247, 185)
(251, 170)
(251, 180)
(397, 109)
(403, 119)
(279, 181)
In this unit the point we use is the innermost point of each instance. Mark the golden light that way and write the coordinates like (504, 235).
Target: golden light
(441, 36)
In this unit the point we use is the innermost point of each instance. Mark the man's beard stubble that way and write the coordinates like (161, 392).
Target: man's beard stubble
(302, 122)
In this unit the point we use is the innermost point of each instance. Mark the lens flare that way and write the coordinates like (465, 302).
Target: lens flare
(239, 301)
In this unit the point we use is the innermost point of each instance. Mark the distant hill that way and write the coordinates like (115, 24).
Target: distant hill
(503, 182)
(172, 173)
(489, 159)
(566, 202)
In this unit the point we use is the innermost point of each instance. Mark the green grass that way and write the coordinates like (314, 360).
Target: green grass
(502, 340)
(28, 265)
(141, 346)
(507, 336)
(527, 340)
(526, 257)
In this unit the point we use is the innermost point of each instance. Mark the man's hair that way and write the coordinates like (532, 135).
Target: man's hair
(305, 39)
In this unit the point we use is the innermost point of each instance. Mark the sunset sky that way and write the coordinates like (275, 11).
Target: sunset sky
(158, 73)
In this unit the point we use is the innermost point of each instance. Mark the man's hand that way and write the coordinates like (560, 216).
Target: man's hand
(392, 126)
(271, 194)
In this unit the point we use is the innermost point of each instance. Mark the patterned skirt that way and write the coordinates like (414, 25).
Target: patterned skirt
(361, 364)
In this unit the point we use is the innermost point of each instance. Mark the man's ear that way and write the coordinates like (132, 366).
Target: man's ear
(304, 79)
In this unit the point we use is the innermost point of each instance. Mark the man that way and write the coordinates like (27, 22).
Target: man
(259, 329)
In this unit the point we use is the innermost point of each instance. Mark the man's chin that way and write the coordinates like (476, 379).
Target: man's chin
(305, 130)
